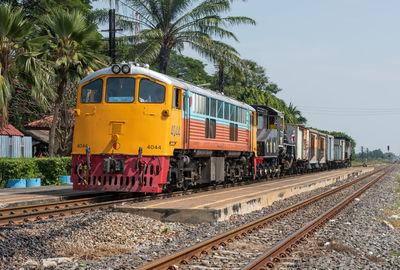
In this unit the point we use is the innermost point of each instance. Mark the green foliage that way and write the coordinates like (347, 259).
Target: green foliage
(186, 68)
(51, 168)
(72, 48)
(14, 34)
(66, 165)
(18, 168)
(255, 88)
(170, 25)
(256, 78)
(35, 9)
(376, 154)
(48, 169)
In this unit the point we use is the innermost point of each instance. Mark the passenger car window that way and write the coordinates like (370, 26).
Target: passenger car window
(233, 113)
(151, 92)
(120, 89)
(92, 92)
(213, 109)
(220, 109)
(226, 111)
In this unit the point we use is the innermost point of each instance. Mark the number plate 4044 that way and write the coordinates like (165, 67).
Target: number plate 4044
(154, 147)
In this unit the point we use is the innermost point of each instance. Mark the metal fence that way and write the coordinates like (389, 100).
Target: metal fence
(15, 147)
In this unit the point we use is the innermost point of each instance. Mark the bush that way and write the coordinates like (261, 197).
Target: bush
(17, 168)
(67, 165)
(48, 169)
(51, 169)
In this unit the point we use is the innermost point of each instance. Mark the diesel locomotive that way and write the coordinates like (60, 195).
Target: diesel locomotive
(137, 130)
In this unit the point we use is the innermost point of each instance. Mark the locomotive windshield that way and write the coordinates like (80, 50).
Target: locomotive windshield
(92, 92)
(151, 92)
(120, 89)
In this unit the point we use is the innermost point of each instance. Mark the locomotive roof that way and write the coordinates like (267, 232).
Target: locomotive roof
(267, 110)
(136, 70)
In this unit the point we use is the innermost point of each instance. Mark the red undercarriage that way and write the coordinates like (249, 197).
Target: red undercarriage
(150, 176)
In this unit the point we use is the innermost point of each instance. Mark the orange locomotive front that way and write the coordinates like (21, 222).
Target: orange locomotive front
(137, 130)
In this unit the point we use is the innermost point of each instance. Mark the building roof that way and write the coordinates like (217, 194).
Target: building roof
(10, 130)
(44, 123)
(38, 135)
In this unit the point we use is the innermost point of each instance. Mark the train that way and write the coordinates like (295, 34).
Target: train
(137, 130)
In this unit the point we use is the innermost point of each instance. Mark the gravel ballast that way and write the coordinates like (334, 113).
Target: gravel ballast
(359, 238)
(112, 240)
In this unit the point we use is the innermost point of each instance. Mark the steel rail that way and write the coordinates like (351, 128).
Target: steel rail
(22, 214)
(194, 252)
(36, 207)
(286, 246)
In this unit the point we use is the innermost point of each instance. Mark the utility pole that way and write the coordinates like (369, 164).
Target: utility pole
(111, 34)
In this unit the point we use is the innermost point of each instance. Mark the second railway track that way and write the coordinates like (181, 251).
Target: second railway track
(239, 247)
(37, 212)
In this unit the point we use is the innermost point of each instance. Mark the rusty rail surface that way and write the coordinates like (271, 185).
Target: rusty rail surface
(286, 246)
(193, 252)
(36, 212)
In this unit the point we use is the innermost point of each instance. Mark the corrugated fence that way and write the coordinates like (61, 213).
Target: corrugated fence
(15, 146)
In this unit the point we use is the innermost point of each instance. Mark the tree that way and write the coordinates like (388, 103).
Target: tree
(19, 58)
(170, 25)
(255, 78)
(255, 88)
(227, 60)
(35, 9)
(73, 45)
(294, 116)
(188, 69)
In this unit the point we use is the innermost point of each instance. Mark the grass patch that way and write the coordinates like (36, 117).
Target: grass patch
(395, 253)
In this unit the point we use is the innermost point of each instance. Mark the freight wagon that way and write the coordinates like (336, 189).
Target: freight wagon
(137, 130)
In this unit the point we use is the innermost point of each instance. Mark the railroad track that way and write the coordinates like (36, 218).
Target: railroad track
(262, 231)
(23, 214)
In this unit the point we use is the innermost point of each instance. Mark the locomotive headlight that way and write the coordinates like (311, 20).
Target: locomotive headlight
(126, 69)
(116, 69)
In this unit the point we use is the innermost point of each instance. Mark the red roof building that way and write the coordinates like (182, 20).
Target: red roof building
(10, 130)
(42, 124)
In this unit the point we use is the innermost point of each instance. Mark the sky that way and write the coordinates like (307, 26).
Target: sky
(338, 61)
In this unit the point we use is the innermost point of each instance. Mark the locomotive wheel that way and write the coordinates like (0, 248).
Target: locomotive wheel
(214, 184)
(185, 185)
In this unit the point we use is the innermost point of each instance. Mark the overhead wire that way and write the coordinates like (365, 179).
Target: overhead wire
(352, 111)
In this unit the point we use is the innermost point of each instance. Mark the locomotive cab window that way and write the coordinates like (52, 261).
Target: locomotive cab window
(120, 89)
(272, 122)
(151, 92)
(92, 92)
(176, 101)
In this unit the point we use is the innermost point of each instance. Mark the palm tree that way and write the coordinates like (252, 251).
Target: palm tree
(19, 57)
(171, 24)
(73, 46)
(295, 115)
